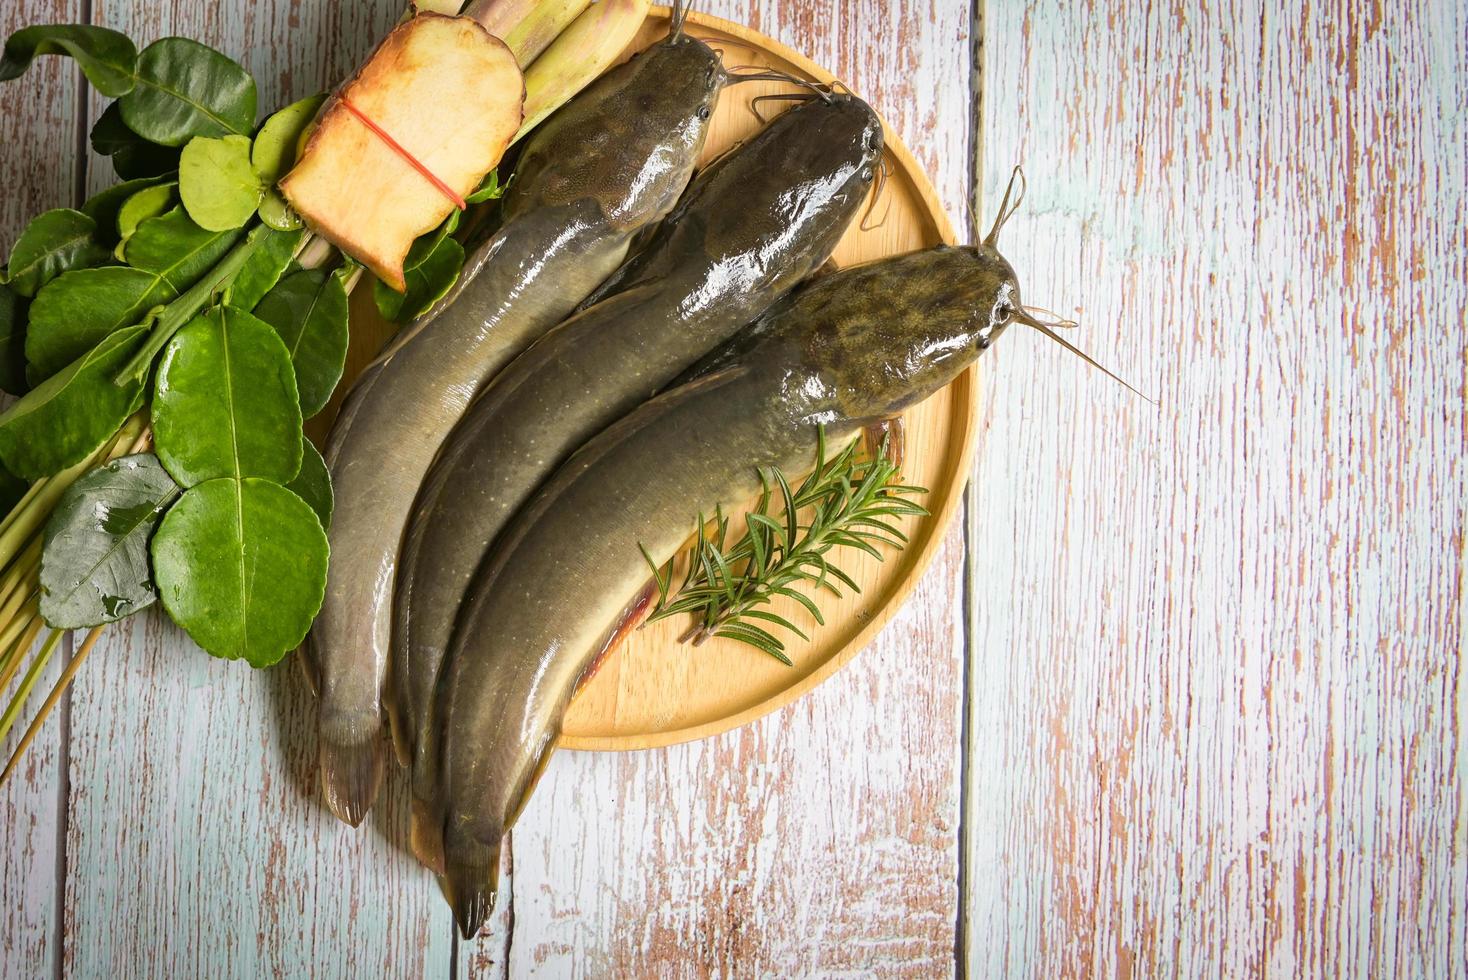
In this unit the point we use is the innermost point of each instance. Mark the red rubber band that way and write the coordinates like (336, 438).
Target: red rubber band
(397, 148)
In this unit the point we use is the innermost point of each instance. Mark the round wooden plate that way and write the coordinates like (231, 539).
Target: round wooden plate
(654, 691)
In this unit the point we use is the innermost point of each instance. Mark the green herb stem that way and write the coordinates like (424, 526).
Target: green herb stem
(178, 313)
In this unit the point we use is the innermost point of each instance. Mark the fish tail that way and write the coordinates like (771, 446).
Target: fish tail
(351, 774)
(470, 879)
(425, 835)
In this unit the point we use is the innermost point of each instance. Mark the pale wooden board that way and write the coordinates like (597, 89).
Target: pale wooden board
(1218, 690)
(821, 839)
(37, 140)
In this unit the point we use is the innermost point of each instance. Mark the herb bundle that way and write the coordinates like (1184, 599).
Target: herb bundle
(189, 296)
(850, 502)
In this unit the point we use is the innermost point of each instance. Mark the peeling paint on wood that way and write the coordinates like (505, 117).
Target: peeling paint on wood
(1215, 720)
(38, 134)
(1219, 725)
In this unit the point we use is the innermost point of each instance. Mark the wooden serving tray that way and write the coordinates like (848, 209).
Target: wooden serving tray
(655, 691)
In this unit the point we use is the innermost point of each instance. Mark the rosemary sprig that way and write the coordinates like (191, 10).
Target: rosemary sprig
(852, 502)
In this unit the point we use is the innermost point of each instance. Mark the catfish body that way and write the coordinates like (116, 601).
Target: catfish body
(609, 163)
(758, 222)
(842, 352)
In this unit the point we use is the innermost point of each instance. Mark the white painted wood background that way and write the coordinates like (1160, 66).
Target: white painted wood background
(1185, 696)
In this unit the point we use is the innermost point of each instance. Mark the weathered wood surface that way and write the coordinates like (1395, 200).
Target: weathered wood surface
(38, 143)
(1215, 722)
(1217, 717)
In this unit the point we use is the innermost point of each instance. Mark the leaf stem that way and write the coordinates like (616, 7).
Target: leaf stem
(183, 309)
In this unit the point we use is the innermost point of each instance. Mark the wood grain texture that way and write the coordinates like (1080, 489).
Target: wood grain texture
(822, 839)
(1217, 718)
(38, 137)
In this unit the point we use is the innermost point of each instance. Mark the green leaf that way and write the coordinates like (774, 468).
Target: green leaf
(168, 253)
(51, 244)
(224, 402)
(185, 89)
(309, 310)
(132, 156)
(73, 412)
(489, 189)
(79, 309)
(218, 186)
(241, 566)
(105, 207)
(313, 484)
(94, 566)
(275, 146)
(12, 342)
(107, 58)
(278, 214)
(430, 271)
(263, 269)
(174, 248)
(150, 202)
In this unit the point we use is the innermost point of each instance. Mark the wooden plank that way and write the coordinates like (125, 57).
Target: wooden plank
(821, 839)
(1218, 687)
(198, 845)
(38, 133)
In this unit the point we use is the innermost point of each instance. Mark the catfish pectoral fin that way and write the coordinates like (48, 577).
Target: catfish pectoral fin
(351, 774)
(425, 835)
(888, 437)
(470, 879)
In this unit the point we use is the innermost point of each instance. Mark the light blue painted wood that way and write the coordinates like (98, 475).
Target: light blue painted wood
(1218, 710)
(38, 132)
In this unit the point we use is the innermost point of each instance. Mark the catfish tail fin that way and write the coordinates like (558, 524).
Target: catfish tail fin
(351, 775)
(471, 879)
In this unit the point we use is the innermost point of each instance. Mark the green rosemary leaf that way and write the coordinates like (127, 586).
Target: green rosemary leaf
(804, 600)
(780, 621)
(844, 502)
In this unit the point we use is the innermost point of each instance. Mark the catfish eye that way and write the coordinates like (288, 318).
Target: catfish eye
(866, 174)
(705, 112)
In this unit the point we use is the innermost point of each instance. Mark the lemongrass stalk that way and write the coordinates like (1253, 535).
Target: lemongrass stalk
(499, 17)
(12, 605)
(39, 664)
(18, 624)
(15, 652)
(38, 511)
(528, 39)
(20, 572)
(584, 50)
(62, 683)
(21, 505)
